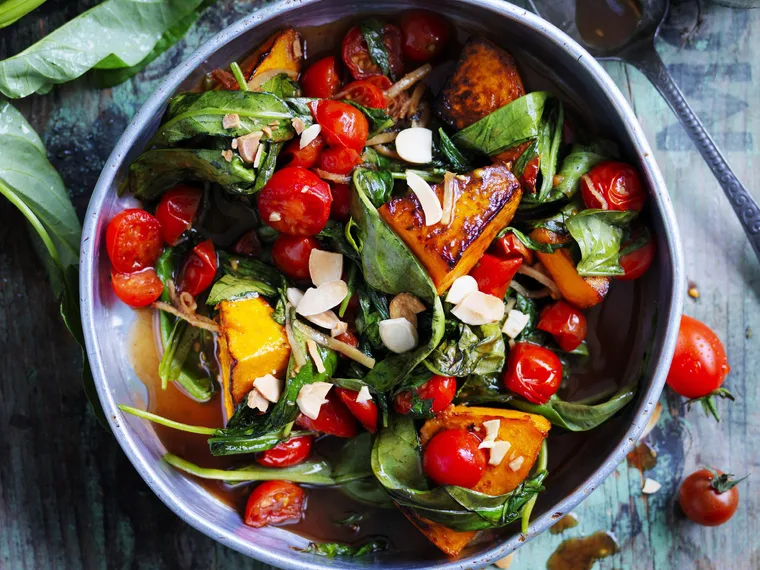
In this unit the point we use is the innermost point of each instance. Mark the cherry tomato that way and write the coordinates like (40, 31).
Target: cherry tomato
(440, 389)
(356, 54)
(494, 275)
(379, 81)
(613, 185)
(452, 457)
(274, 502)
(286, 453)
(199, 269)
(425, 34)
(510, 246)
(334, 418)
(565, 323)
(342, 125)
(365, 412)
(176, 211)
(703, 503)
(365, 93)
(339, 160)
(138, 289)
(291, 254)
(133, 240)
(699, 363)
(635, 263)
(248, 245)
(306, 157)
(533, 372)
(341, 206)
(530, 174)
(295, 201)
(321, 79)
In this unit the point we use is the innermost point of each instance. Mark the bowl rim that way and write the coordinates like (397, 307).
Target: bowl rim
(147, 467)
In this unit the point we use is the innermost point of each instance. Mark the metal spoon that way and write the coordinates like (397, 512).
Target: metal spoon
(639, 51)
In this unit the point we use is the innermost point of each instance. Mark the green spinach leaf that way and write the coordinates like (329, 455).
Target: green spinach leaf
(13, 10)
(223, 443)
(373, 32)
(230, 287)
(574, 167)
(477, 350)
(376, 184)
(378, 119)
(454, 158)
(268, 164)
(337, 549)
(599, 234)
(282, 86)
(482, 390)
(268, 277)
(548, 144)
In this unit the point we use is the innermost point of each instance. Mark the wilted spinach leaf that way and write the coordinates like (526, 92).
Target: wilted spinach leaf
(373, 31)
(476, 350)
(282, 86)
(337, 549)
(224, 443)
(454, 158)
(599, 234)
(376, 184)
(483, 389)
(230, 287)
(379, 120)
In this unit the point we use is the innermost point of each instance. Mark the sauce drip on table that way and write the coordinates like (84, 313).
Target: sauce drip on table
(570, 520)
(606, 23)
(581, 553)
(642, 457)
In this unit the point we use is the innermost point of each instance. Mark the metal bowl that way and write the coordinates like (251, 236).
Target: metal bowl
(652, 321)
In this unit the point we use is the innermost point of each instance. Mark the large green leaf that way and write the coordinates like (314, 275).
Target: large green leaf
(599, 234)
(116, 34)
(13, 10)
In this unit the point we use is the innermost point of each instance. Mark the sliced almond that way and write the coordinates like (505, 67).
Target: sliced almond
(492, 429)
(293, 295)
(427, 198)
(505, 562)
(398, 335)
(311, 397)
(315, 356)
(231, 121)
(498, 451)
(516, 463)
(449, 182)
(363, 395)
(325, 266)
(338, 328)
(406, 306)
(650, 486)
(257, 401)
(415, 145)
(323, 298)
(309, 134)
(515, 323)
(460, 288)
(259, 154)
(479, 308)
(298, 125)
(227, 155)
(269, 386)
(248, 145)
(327, 320)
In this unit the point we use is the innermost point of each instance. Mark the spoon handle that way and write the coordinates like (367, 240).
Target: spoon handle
(649, 63)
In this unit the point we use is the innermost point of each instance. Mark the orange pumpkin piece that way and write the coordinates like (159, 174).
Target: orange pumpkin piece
(281, 53)
(486, 200)
(583, 292)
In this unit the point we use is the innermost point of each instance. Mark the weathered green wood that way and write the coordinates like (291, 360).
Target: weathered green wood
(70, 499)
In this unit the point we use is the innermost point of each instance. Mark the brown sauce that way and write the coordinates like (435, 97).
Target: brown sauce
(606, 23)
(642, 457)
(581, 553)
(570, 520)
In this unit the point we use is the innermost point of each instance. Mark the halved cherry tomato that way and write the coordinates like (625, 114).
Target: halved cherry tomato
(348, 337)
(295, 201)
(356, 54)
(274, 502)
(380, 81)
(306, 157)
(613, 185)
(494, 275)
(439, 389)
(509, 246)
(248, 244)
(342, 125)
(286, 453)
(530, 174)
(635, 263)
(133, 240)
(321, 79)
(699, 363)
(138, 289)
(176, 211)
(365, 93)
(339, 160)
(452, 457)
(341, 206)
(565, 323)
(365, 412)
(425, 34)
(708, 498)
(533, 372)
(199, 269)
(291, 254)
(334, 418)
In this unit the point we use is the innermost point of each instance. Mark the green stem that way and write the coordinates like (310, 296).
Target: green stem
(541, 464)
(14, 9)
(347, 299)
(167, 422)
(238, 73)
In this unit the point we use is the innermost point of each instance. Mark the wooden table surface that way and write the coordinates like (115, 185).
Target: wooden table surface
(70, 499)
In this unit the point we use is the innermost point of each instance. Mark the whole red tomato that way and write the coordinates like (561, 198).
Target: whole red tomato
(342, 124)
(176, 211)
(339, 160)
(613, 185)
(306, 157)
(341, 206)
(334, 418)
(452, 457)
(133, 240)
(291, 254)
(439, 390)
(286, 453)
(321, 79)
(295, 201)
(274, 502)
(198, 272)
(636, 262)
(365, 412)
(364, 93)
(424, 34)
(138, 289)
(533, 372)
(709, 498)
(356, 53)
(565, 323)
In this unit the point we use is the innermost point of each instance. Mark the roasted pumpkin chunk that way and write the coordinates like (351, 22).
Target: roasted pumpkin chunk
(485, 79)
(525, 432)
(281, 53)
(485, 201)
(250, 344)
